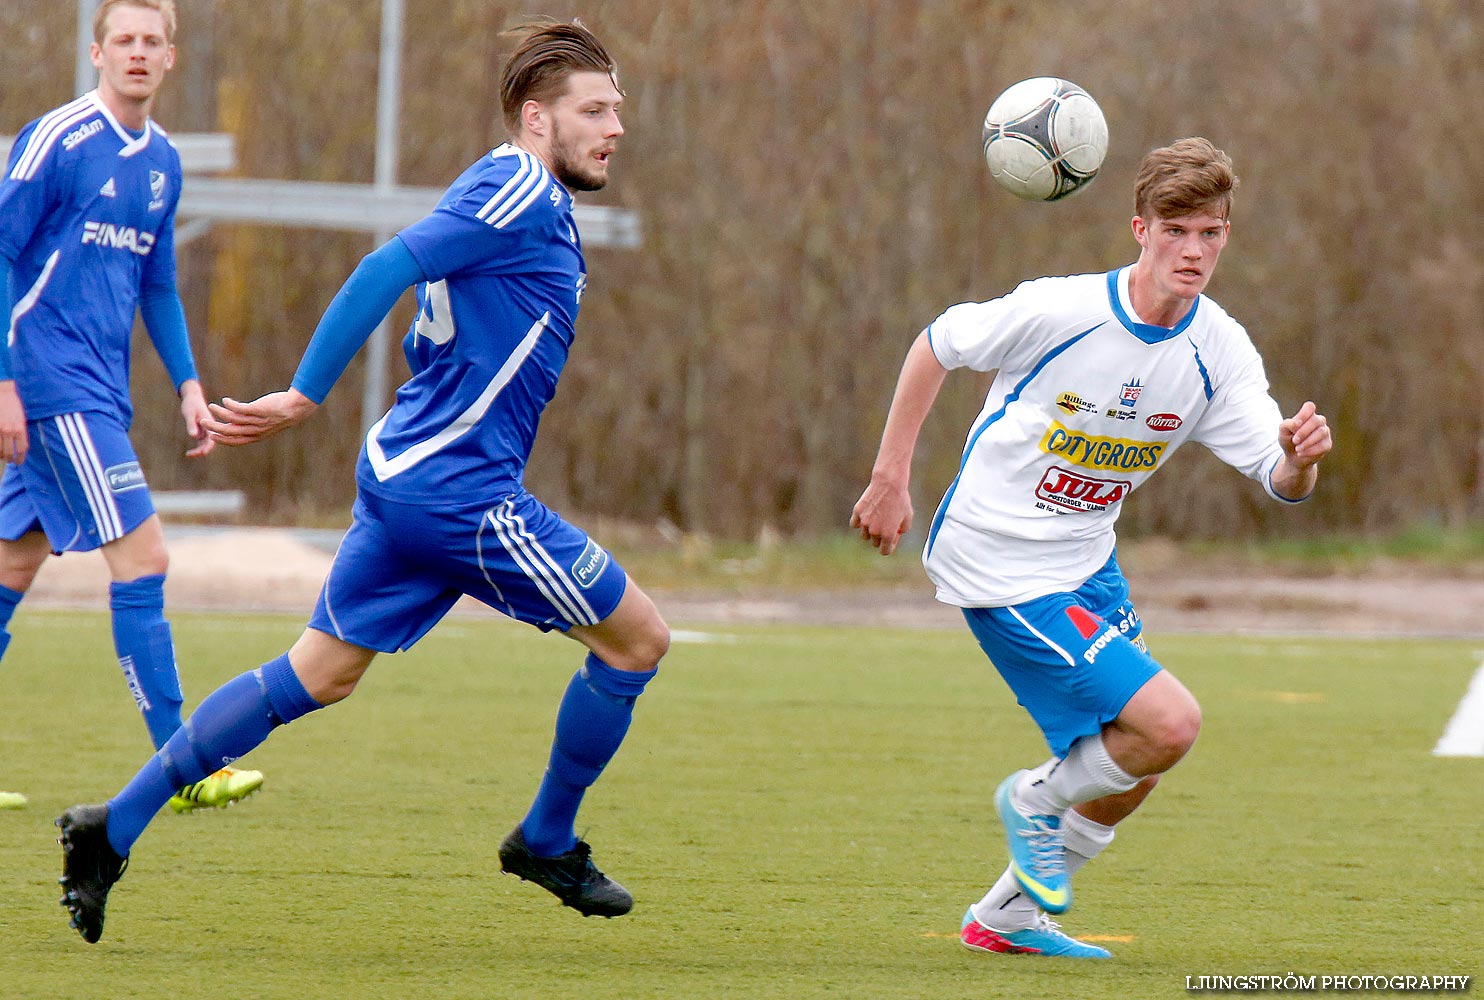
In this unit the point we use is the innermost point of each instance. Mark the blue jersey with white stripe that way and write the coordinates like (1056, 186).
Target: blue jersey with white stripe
(87, 212)
(494, 325)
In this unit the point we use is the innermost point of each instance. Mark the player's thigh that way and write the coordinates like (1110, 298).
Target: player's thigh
(83, 480)
(1162, 712)
(383, 591)
(1072, 669)
(23, 545)
(141, 552)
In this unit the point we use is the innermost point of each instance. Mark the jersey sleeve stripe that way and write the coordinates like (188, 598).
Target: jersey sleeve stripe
(1272, 491)
(510, 189)
(511, 213)
(984, 425)
(521, 197)
(1205, 375)
(45, 135)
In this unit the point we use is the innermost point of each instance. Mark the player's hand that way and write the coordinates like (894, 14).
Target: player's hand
(232, 422)
(883, 514)
(1304, 437)
(13, 438)
(193, 409)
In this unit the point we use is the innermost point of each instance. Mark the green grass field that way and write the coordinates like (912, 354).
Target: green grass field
(799, 812)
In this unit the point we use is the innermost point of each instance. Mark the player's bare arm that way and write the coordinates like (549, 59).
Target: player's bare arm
(1305, 439)
(234, 423)
(13, 439)
(884, 512)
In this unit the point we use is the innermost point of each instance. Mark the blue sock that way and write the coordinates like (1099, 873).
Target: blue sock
(141, 635)
(8, 601)
(233, 719)
(591, 723)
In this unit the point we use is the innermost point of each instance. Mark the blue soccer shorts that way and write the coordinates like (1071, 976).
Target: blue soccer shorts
(1073, 659)
(401, 567)
(80, 483)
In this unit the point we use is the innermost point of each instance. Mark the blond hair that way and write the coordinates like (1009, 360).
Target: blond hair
(165, 7)
(1185, 178)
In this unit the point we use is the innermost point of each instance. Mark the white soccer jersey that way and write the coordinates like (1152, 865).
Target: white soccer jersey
(1087, 403)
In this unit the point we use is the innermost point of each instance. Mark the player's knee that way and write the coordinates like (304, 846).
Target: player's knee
(20, 561)
(328, 685)
(327, 691)
(332, 678)
(1175, 732)
(659, 646)
(652, 646)
(142, 562)
(18, 577)
(647, 644)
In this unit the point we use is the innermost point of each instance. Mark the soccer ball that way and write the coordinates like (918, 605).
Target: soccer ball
(1044, 138)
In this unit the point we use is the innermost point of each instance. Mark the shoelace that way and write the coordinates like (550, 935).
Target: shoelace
(1047, 847)
(579, 861)
(1045, 923)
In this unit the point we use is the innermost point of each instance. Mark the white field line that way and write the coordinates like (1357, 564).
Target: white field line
(684, 635)
(1464, 736)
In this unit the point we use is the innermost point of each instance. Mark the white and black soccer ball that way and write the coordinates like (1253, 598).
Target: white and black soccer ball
(1044, 138)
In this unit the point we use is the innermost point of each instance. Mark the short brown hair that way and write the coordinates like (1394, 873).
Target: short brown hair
(165, 7)
(1184, 178)
(548, 53)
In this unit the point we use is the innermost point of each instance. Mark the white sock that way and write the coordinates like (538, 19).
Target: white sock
(1006, 908)
(1087, 772)
(1084, 839)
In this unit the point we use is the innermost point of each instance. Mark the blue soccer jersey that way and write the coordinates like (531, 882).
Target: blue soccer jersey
(87, 212)
(494, 325)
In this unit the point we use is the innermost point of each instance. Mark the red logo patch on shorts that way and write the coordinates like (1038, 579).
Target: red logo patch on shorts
(1087, 623)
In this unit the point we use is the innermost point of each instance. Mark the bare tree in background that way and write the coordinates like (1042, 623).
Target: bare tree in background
(812, 194)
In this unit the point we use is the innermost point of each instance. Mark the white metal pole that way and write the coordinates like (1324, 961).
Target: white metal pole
(388, 92)
(85, 76)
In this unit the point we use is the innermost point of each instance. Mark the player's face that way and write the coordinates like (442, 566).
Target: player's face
(1179, 255)
(134, 56)
(584, 130)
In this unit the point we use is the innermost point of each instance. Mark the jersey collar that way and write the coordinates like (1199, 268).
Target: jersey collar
(511, 149)
(1123, 310)
(132, 144)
